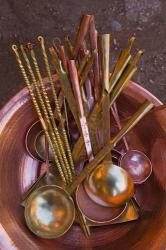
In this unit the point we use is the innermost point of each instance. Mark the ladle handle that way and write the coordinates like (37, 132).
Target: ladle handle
(84, 126)
(136, 117)
(105, 61)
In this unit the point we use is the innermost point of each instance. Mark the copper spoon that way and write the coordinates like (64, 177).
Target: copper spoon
(135, 162)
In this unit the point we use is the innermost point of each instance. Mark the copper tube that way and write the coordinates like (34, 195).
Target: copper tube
(81, 34)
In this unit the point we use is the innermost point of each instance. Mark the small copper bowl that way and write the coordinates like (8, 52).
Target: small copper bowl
(30, 140)
(138, 165)
(94, 212)
(35, 142)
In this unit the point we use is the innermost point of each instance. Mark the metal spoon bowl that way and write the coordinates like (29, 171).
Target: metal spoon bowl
(109, 185)
(40, 147)
(35, 143)
(30, 138)
(49, 211)
(137, 164)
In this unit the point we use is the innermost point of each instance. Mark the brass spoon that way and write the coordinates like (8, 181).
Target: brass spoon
(108, 184)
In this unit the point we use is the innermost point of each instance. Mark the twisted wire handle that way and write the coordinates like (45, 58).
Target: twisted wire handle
(50, 112)
(45, 57)
(15, 49)
(55, 142)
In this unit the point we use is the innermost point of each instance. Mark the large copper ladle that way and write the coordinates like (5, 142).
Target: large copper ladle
(135, 162)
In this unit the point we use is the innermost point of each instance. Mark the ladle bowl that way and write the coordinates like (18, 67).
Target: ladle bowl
(137, 164)
(109, 185)
(49, 211)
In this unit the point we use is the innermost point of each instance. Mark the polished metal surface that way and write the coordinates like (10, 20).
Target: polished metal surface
(30, 138)
(109, 185)
(96, 213)
(49, 211)
(40, 146)
(137, 164)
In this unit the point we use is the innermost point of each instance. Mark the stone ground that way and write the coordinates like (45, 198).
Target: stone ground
(24, 20)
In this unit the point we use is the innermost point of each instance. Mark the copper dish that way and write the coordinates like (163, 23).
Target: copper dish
(18, 171)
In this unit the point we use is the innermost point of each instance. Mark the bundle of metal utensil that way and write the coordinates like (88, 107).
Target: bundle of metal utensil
(81, 181)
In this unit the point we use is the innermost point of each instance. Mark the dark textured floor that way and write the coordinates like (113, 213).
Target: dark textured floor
(24, 20)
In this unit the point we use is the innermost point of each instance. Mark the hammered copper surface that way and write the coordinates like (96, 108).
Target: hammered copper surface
(18, 170)
(109, 185)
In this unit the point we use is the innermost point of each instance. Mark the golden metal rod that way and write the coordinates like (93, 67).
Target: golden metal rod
(41, 40)
(83, 62)
(123, 81)
(121, 64)
(81, 218)
(50, 110)
(66, 86)
(70, 47)
(66, 119)
(105, 61)
(52, 129)
(86, 69)
(126, 76)
(36, 106)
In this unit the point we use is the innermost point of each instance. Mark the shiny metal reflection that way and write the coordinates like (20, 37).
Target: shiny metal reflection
(30, 138)
(40, 146)
(49, 211)
(109, 185)
(137, 164)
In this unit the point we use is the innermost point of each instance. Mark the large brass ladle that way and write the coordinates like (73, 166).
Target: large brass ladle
(108, 184)
(49, 211)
